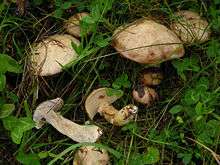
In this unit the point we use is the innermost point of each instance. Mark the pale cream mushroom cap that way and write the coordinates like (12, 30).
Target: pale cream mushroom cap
(49, 55)
(97, 98)
(90, 155)
(148, 42)
(190, 27)
(72, 25)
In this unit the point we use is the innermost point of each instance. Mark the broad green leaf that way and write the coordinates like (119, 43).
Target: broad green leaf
(101, 41)
(2, 81)
(114, 92)
(10, 122)
(8, 64)
(186, 157)
(152, 156)
(17, 126)
(121, 81)
(199, 108)
(6, 110)
(16, 135)
(66, 5)
(28, 159)
(176, 109)
(58, 13)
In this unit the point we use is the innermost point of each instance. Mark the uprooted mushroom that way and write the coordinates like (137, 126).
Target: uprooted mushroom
(47, 112)
(90, 155)
(100, 102)
(190, 27)
(49, 55)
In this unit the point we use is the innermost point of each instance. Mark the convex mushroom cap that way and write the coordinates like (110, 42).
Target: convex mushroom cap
(190, 27)
(90, 155)
(145, 95)
(46, 112)
(99, 102)
(49, 55)
(148, 42)
(72, 25)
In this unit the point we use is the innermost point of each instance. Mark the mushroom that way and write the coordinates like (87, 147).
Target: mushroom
(190, 27)
(72, 25)
(99, 101)
(50, 54)
(148, 42)
(144, 95)
(90, 155)
(151, 76)
(79, 133)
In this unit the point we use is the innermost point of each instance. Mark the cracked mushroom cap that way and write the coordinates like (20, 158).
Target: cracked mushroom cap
(96, 98)
(49, 55)
(148, 42)
(90, 155)
(72, 25)
(190, 27)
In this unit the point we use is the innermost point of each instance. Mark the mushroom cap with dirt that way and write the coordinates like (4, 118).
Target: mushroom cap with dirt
(47, 112)
(100, 102)
(190, 27)
(49, 55)
(90, 155)
(148, 42)
(72, 25)
(145, 95)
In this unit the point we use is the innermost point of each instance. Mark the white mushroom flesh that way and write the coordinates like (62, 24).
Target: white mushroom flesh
(148, 42)
(78, 133)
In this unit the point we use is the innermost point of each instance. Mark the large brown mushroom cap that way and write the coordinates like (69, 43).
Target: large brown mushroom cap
(72, 25)
(190, 27)
(49, 55)
(148, 42)
(97, 98)
(90, 155)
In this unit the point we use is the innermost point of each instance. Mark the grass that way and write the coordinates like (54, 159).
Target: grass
(183, 126)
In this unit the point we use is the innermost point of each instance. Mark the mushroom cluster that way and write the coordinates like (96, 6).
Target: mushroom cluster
(144, 92)
(144, 41)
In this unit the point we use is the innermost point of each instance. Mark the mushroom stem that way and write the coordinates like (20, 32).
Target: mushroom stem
(118, 117)
(78, 133)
